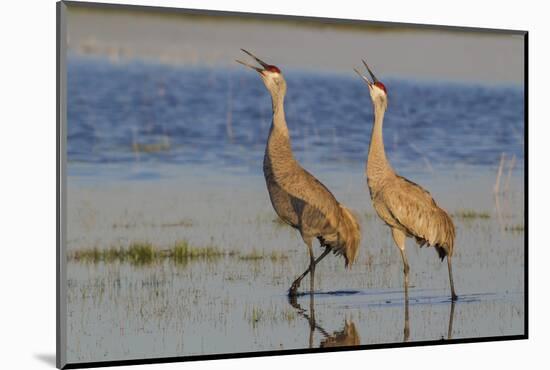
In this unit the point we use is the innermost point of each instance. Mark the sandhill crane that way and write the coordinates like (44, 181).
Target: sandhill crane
(404, 206)
(298, 198)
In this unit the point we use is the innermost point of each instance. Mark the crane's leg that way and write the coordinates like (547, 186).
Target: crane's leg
(311, 273)
(296, 284)
(310, 269)
(399, 239)
(406, 329)
(451, 316)
(454, 297)
(312, 323)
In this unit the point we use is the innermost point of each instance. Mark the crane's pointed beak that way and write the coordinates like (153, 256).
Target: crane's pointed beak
(363, 77)
(261, 62)
(264, 64)
(259, 70)
(374, 79)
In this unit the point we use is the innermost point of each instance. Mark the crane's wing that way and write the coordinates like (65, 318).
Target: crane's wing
(416, 211)
(305, 186)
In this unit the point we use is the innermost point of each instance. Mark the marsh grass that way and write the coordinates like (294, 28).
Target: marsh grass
(252, 256)
(181, 223)
(515, 228)
(256, 315)
(256, 255)
(468, 214)
(182, 252)
(278, 256)
(137, 253)
(141, 253)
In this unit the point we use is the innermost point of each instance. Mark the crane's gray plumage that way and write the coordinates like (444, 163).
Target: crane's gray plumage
(407, 208)
(298, 198)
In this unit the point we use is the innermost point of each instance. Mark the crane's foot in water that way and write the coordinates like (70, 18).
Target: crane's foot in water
(293, 291)
(293, 300)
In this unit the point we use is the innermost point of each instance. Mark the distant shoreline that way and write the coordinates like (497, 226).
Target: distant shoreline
(409, 52)
(118, 60)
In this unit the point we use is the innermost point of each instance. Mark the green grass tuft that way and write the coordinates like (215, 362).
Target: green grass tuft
(182, 252)
(141, 253)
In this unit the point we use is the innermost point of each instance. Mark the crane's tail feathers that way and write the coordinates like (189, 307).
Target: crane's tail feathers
(442, 235)
(349, 232)
(447, 238)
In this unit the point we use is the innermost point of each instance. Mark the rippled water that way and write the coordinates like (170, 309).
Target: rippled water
(161, 154)
(161, 115)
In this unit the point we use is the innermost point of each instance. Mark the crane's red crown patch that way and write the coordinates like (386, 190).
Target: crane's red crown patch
(381, 86)
(273, 69)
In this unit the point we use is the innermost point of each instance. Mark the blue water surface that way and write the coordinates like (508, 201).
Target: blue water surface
(168, 117)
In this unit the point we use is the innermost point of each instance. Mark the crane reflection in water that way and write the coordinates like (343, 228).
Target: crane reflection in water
(348, 335)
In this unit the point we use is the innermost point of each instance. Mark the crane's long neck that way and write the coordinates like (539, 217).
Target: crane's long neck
(278, 151)
(377, 164)
(279, 120)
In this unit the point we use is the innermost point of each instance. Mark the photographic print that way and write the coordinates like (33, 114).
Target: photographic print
(237, 184)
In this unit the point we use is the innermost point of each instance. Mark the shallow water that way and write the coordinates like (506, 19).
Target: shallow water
(162, 154)
(122, 311)
(228, 304)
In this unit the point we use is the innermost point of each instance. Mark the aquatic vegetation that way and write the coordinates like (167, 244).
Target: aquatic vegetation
(469, 214)
(161, 146)
(256, 315)
(254, 255)
(87, 255)
(95, 255)
(515, 228)
(289, 316)
(183, 251)
(269, 314)
(181, 223)
(141, 253)
(136, 253)
(278, 256)
(124, 225)
(133, 225)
